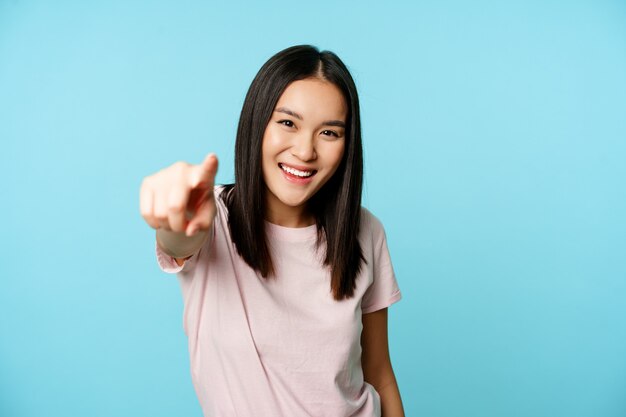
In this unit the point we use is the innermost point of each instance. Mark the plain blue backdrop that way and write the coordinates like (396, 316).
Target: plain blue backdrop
(495, 156)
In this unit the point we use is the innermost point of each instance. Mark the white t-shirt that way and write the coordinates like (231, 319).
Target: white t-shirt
(280, 346)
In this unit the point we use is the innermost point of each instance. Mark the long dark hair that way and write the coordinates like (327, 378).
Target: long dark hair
(336, 206)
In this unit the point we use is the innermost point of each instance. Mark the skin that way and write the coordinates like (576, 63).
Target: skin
(168, 196)
(178, 202)
(376, 363)
(307, 142)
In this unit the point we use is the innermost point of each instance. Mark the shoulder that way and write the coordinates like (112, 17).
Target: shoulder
(221, 216)
(370, 222)
(220, 193)
(371, 228)
(218, 189)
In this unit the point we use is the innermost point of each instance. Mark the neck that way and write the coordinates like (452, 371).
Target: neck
(286, 216)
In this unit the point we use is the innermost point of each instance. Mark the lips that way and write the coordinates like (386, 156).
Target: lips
(289, 174)
(297, 171)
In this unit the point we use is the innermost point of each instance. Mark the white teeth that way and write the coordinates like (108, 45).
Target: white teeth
(296, 172)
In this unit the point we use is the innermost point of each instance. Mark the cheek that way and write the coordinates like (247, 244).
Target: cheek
(265, 156)
(337, 152)
(273, 142)
(268, 146)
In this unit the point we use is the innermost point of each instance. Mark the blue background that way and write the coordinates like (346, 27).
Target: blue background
(495, 149)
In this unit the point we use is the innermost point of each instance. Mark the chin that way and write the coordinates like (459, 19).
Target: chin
(294, 202)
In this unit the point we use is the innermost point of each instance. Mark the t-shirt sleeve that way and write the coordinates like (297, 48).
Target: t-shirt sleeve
(384, 290)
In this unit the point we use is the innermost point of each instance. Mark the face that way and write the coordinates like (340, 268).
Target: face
(303, 146)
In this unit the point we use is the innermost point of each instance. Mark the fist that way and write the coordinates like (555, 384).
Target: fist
(180, 197)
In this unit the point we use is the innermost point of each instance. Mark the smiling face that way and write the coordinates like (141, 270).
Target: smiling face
(303, 145)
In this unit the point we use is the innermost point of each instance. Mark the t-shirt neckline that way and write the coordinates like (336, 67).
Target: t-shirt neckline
(291, 233)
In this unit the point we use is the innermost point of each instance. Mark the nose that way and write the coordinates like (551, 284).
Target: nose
(303, 147)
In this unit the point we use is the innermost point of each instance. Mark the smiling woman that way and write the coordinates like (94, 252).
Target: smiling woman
(286, 278)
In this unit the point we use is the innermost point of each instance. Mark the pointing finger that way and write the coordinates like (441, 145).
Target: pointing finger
(204, 174)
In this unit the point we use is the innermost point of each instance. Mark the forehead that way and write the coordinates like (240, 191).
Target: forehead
(314, 99)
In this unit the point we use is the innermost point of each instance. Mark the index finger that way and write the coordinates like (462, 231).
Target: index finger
(204, 173)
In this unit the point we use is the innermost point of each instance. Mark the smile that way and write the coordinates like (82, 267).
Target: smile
(297, 172)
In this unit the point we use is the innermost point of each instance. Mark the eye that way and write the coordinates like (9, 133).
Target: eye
(286, 122)
(330, 133)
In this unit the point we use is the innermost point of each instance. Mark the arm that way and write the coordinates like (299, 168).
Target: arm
(376, 363)
(178, 245)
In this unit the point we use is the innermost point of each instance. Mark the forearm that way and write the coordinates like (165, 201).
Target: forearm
(390, 401)
(178, 244)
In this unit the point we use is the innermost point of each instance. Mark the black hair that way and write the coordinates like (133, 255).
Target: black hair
(336, 206)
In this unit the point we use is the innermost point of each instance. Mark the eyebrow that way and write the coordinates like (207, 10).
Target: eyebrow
(285, 110)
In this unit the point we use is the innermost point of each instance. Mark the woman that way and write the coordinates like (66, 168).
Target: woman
(286, 279)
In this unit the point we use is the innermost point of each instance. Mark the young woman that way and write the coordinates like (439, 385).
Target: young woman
(286, 279)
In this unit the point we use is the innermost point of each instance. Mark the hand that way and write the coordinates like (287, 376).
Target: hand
(180, 197)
